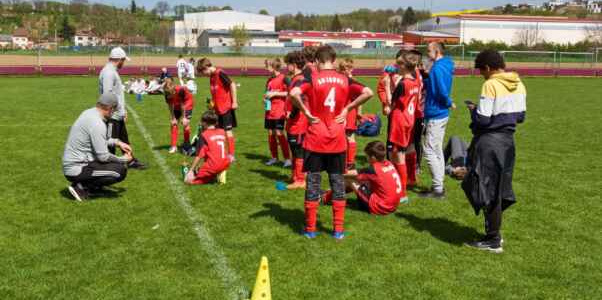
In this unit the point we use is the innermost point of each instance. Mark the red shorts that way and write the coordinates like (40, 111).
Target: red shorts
(206, 175)
(400, 129)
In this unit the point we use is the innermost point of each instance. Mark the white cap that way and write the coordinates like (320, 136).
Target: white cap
(118, 53)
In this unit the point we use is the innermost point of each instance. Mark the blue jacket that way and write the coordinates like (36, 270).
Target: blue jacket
(438, 93)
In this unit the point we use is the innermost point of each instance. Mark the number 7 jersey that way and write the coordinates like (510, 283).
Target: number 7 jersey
(327, 94)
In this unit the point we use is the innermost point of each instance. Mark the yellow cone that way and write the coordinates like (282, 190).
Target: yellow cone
(262, 289)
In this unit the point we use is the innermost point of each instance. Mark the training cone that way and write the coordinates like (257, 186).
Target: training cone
(262, 289)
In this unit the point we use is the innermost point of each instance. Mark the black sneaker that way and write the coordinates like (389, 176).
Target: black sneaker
(432, 194)
(78, 192)
(491, 245)
(136, 164)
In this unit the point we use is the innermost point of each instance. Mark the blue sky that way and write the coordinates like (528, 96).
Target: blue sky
(329, 6)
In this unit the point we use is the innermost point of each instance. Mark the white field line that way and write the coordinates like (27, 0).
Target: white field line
(230, 279)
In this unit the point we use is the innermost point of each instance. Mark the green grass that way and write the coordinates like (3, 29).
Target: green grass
(54, 248)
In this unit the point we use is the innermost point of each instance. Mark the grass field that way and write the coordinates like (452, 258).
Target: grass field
(140, 243)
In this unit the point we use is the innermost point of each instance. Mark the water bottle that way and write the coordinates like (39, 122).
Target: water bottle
(139, 97)
(268, 104)
(185, 169)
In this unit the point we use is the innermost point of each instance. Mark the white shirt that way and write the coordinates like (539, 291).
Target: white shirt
(190, 70)
(182, 66)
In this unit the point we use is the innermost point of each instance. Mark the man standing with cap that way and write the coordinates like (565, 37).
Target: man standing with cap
(87, 162)
(110, 82)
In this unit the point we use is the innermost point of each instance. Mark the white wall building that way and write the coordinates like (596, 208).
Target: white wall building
(85, 38)
(594, 7)
(185, 33)
(20, 39)
(218, 38)
(513, 29)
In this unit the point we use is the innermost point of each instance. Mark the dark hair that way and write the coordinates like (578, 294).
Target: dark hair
(400, 53)
(416, 52)
(439, 45)
(274, 63)
(489, 58)
(326, 53)
(209, 118)
(203, 64)
(180, 56)
(309, 53)
(408, 61)
(295, 58)
(377, 150)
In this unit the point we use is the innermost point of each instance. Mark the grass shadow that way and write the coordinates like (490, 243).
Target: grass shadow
(255, 156)
(293, 218)
(162, 147)
(442, 229)
(270, 174)
(106, 194)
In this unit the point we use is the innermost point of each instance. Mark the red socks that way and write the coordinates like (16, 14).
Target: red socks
(273, 145)
(351, 151)
(338, 214)
(284, 146)
(174, 136)
(311, 215)
(411, 168)
(403, 173)
(187, 135)
(231, 146)
(298, 175)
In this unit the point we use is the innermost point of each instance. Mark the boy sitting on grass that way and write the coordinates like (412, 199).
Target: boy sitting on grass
(378, 187)
(212, 148)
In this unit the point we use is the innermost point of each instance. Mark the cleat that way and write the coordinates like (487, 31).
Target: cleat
(433, 195)
(338, 235)
(136, 164)
(287, 163)
(78, 192)
(173, 149)
(490, 245)
(310, 234)
(271, 162)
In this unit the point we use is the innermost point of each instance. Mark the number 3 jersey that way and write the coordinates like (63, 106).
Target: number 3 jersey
(327, 94)
(212, 148)
(385, 184)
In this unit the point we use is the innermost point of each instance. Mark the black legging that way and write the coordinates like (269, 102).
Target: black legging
(97, 174)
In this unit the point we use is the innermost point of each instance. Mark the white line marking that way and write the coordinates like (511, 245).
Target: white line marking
(230, 279)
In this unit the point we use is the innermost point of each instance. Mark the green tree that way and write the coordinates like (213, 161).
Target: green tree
(67, 31)
(264, 12)
(133, 7)
(227, 7)
(336, 24)
(241, 37)
(508, 9)
(409, 17)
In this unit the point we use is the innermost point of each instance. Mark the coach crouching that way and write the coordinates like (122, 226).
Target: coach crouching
(87, 162)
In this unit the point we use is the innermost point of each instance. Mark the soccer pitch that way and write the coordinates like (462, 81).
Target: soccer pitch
(153, 240)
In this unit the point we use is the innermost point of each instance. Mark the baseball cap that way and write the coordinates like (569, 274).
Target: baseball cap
(118, 53)
(107, 99)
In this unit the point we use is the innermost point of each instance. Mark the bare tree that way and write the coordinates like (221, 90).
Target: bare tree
(162, 7)
(529, 36)
(240, 36)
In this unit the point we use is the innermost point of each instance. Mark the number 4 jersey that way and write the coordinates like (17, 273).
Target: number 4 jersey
(327, 94)
(213, 149)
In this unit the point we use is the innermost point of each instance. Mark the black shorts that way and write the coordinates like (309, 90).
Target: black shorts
(117, 130)
(295, 142)
(227, 121)
(391, 147)
(274, 124)
(332, 163)
(187, 114)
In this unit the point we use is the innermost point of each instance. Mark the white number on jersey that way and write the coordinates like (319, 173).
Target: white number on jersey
(411, 108)
(222, 147)
(330, 99)
(397, 182)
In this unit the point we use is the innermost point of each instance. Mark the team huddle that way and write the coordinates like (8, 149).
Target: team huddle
(311, 116)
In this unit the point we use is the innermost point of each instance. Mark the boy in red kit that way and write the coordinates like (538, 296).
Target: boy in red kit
(212, 148)
(296, 122)
(414, 150)
(309, 54)
(346, 68)
(275, 115)
(223, 94)
(385, 87)
(401, 119)
(325, 140)
(180, 102)
(378, 187)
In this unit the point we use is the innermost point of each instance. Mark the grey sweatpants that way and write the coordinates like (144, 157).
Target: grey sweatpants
(432, 145)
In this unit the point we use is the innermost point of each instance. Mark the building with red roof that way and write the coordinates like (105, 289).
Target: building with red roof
(346, 39)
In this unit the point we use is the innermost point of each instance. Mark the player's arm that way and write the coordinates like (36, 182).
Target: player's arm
(296, 93)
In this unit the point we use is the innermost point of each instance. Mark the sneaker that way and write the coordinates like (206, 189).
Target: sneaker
(296, 186)
(78, 192)
(490, 245)
(173, 150)
(136, 164)
(338, 235)
(310, 234)
(287, 163)
(271, 162)
(437, 195)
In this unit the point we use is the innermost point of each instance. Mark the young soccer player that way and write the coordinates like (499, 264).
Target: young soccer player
(325, 140)
(385, 87)
(275, 115)
(180, 102)
(414, 150)
(182, 66)
(309, 54)
(296, 122)
(378, 187)
(225, 101)
(401, 119)
(211, 148)
(346, 68)
(190, 68)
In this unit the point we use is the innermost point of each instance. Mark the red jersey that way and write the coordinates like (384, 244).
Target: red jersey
(385, 184)
(220, 91)
(181, 98)
(277, 84)
(401, 120)
(355, 90)
(420, 101)
(214, 149)
(297, 122)
(330, 94)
